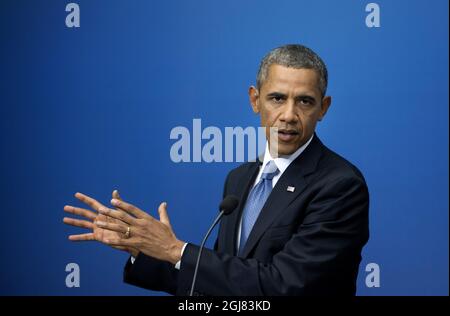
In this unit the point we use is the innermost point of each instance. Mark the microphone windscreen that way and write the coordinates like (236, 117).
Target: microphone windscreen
(229, 203)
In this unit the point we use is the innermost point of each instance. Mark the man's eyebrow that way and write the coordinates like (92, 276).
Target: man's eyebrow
(276, 94)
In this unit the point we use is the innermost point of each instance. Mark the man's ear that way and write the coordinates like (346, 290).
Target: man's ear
(253, 95)
(326, 102)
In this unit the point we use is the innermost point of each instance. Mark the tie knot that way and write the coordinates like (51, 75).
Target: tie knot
(270, 171)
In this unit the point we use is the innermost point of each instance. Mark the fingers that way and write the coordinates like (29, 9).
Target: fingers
(129, 208)
(80, 211)
(111, 226)
(82, 237)
(122, 216)
(88, 200)
(78, 223)
(120, 242)
(163, 216)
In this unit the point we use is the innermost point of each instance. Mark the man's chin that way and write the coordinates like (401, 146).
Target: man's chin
(286, 149)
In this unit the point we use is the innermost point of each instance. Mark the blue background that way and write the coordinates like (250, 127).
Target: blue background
(91, 109)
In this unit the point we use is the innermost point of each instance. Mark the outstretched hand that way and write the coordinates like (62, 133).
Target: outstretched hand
(136, 229)
(96, 233)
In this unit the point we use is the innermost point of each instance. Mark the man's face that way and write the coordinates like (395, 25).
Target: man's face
(289, 100)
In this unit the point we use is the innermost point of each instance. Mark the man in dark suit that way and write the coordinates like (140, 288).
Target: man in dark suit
(302, 220)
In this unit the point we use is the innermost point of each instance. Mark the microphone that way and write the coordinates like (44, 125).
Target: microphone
(226, 207)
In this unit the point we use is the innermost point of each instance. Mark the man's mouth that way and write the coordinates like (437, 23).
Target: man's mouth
(287, 135)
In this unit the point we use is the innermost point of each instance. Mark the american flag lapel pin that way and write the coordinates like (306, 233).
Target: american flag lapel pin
(290, 188)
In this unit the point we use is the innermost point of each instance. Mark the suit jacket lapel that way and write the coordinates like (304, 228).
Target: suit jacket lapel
(233, 219)
(280, 198)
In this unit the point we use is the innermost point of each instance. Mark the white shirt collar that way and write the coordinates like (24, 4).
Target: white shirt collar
(283, 162)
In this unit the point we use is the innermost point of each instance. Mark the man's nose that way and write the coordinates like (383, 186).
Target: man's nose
(289, 114)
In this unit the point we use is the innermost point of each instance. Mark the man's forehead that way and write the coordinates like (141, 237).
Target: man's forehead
(282, 77)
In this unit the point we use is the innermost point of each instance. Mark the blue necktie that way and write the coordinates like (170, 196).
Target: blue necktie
(255, 201)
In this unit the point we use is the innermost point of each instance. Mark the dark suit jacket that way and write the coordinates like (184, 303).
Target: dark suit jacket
(306, 242)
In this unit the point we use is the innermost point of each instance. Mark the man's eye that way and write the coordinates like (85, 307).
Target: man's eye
(305, 101)
(277, 99)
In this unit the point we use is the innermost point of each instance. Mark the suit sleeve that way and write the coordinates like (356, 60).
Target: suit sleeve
(151, 274)
(321, 258)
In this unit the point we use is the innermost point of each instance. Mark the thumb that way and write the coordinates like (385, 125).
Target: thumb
(163, 216)
(115, 195)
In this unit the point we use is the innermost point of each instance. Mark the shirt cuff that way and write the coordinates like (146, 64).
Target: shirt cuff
(178, 264)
